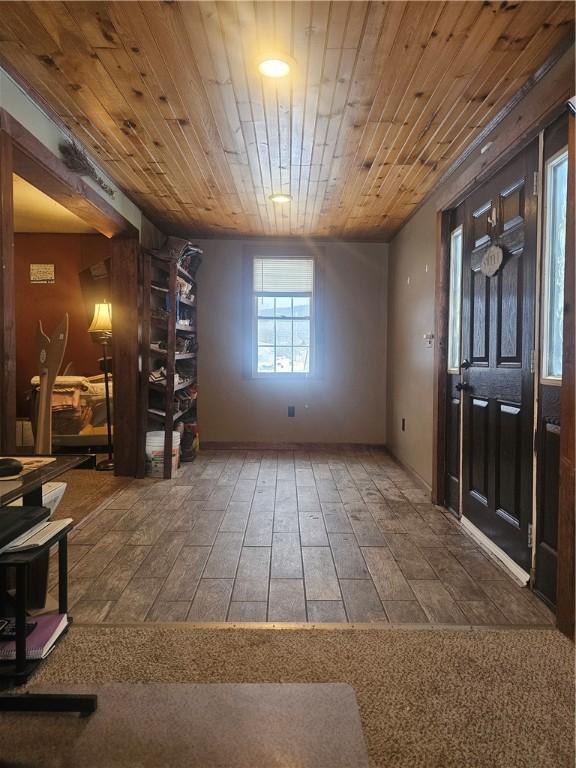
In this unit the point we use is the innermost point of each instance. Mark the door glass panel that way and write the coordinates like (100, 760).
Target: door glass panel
(554, 255)
(455, 301)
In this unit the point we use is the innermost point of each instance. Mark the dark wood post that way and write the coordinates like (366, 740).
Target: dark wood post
(566, 531)
(7, 299)
(441, 306)
(125, 299)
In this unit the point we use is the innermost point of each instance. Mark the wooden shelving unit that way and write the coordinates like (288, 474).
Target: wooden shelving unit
(169, 308)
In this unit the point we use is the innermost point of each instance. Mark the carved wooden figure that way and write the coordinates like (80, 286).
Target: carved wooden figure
(51, 354)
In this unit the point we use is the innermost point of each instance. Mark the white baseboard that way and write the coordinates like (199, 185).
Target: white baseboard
(519, 573)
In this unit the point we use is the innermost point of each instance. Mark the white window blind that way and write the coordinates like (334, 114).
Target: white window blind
(288, 276)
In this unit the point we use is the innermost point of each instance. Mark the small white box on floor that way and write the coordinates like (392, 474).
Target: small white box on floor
(52, 494)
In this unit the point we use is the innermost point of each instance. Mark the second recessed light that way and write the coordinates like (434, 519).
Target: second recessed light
(274, 66)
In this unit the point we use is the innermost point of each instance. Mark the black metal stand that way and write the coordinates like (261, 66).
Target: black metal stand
(107, 464)
(84, 704)
(20, 670)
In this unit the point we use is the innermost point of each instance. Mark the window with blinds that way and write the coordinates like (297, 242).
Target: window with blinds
(283, 293)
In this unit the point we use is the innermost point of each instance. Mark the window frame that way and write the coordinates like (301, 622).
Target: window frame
(459, 230)
(551, 162)
(254, 295)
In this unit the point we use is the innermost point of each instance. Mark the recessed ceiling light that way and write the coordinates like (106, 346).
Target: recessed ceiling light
(273, 66)
(280, 198)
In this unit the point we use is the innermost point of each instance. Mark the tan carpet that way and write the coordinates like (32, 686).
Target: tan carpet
(86, 490)
(429, 698)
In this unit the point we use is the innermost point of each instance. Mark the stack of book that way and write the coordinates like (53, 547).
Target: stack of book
(42, 634)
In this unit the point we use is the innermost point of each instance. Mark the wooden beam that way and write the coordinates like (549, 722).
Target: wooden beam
(494, 125)
(566, 529)
(443, 221)
(125, 282)
(35, 163)
(541, 106)
(7, 300)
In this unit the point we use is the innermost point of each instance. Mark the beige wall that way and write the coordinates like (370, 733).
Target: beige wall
(411, 276)
(346, 405)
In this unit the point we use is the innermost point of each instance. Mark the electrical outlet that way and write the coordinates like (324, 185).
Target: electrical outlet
(291, 410)
(403, 424)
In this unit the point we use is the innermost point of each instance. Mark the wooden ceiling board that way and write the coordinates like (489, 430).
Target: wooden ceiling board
(383, 97)
(457, 137)
(469, 57)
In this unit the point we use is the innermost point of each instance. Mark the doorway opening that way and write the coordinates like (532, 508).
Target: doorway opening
(64, 249)
(62, 267)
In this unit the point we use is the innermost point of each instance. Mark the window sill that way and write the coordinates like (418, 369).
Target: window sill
(548, 381)
(283, 376)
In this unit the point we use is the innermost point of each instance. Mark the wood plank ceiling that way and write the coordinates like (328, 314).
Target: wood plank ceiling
(382, 98)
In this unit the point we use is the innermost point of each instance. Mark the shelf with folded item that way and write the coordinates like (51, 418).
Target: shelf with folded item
(157, 413)
(177, 355)
(160, 386)
(186, 275)
(185, 328)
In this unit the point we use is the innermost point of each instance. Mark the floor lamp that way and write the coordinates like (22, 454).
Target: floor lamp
(101, 332)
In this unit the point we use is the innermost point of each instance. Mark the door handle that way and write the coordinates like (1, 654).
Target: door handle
(462, 386)
(465, 364)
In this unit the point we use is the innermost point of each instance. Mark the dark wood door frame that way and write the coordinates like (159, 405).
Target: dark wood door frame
(126, 278)
(7, 300)
(565, 608)
(439, 435)
(566, 531)
(23, 154)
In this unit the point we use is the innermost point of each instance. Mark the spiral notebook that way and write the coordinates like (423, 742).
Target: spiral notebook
(41, 640)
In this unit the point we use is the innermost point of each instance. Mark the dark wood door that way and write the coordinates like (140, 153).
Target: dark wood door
(497, 345)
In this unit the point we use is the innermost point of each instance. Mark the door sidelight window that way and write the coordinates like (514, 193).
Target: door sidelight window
(455, 301)
(555, 201)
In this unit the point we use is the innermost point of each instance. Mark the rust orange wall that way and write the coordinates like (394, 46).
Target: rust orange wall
(70, 254)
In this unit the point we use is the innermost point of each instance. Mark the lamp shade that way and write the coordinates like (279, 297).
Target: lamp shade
(102, 320)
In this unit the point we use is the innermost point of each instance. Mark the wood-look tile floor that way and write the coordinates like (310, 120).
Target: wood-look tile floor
(243, 536)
